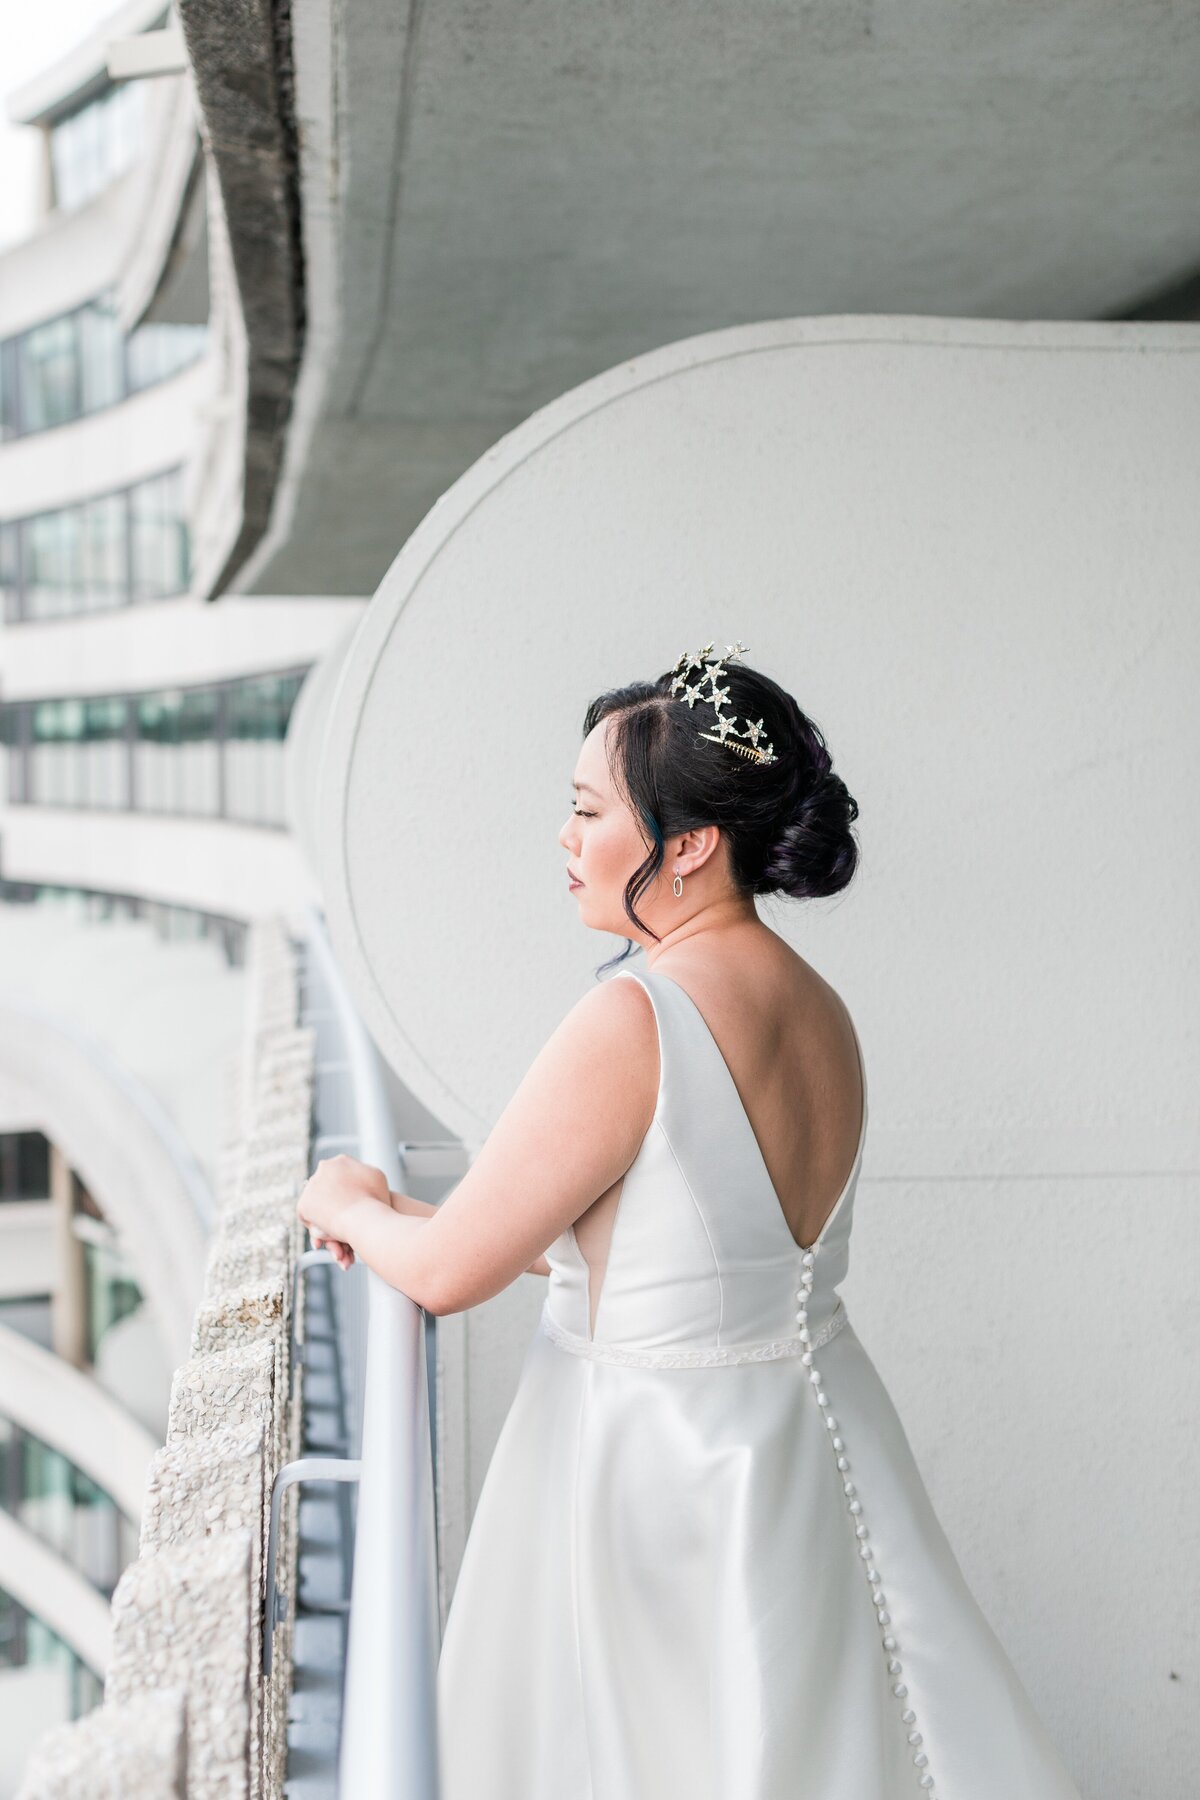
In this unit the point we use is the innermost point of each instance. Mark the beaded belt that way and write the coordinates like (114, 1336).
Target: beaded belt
(759, 1350)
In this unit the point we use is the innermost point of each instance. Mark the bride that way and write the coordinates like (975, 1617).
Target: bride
(703, 1563)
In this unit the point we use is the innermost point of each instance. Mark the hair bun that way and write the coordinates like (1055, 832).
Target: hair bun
(816, 853)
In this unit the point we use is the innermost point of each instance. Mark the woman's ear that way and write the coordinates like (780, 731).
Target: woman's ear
(695, 848)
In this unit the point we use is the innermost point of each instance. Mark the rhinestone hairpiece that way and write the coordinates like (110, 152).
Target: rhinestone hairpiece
(711, 668)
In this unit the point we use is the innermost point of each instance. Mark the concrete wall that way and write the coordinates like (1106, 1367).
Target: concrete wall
(969, 548)
(221, 867)
(167, 643)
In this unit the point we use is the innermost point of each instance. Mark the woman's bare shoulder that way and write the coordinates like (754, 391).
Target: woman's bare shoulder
(616, 1011)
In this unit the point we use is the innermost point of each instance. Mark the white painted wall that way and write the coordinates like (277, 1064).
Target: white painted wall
(969, 548)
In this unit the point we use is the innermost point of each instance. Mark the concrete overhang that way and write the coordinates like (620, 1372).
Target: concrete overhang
(492, 205)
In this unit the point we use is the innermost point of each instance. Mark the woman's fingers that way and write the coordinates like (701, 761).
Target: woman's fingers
(341, 1253)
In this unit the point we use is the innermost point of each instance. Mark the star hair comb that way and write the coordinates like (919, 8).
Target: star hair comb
(710, 670)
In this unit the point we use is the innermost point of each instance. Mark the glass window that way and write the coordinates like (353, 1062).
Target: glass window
(45, 1505)
(157, 728)
(104, 571)
(79, 560)
(63, 1507)
(53, 563)
(10, 414)
(153, 352)
(15, 724)
(81, 361)
(204, 752)
(32, 1317)
(10, 568)
(90, 147)
(257, 713)
(26, 1642)
(105, 776)
(110, 1292)
(48, 373)
(24, 1165)
(56, 765)
(178, 752)
(100, 347)
(159, 537)
(199, 788)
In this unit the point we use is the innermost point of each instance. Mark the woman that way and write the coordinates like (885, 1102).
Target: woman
(703, 1563)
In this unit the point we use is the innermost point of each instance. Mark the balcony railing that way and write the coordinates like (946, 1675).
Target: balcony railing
(326, 1391)
(388, 1745)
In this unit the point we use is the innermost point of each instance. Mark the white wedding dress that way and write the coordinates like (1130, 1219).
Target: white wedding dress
(703, 1564)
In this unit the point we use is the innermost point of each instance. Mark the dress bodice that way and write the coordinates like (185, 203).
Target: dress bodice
(702, 1264)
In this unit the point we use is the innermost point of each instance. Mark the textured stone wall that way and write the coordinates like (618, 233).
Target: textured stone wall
(187, 1714)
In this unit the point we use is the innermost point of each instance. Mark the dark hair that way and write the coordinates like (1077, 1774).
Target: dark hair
(787, 823)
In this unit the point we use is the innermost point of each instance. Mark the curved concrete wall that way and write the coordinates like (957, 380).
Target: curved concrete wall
(71, 257)
(124, 443)
(969, 548)
(167, 643)
(55, 1592)
(219, 866)
(125, 1149)
(72, 1413)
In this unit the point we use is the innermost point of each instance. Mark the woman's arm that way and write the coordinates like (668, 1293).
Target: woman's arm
(569, 1133)
(416, 1209)
(404, 1203)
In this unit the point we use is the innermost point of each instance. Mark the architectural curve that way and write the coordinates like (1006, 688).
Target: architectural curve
(763, 483)
(72, 1413)
(125, 1148)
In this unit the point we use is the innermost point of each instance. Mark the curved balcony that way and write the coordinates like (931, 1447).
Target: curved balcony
(116, 1047)
(54, 1644)
(213, 751)
(104, 452)
(72, 1461)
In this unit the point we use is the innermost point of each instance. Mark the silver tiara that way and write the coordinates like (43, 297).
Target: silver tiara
(710, 670)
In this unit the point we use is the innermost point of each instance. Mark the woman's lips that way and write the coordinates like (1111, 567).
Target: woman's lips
(572, 881)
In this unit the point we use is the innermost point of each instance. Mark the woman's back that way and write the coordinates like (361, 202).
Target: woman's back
(788, 1044)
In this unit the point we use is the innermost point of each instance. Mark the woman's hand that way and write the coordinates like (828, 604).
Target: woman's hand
(337, 1185)
(341, 1253)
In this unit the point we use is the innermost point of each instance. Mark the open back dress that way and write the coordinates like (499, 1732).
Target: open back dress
(703, 1563)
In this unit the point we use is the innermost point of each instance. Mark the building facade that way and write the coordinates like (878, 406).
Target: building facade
(143, 828)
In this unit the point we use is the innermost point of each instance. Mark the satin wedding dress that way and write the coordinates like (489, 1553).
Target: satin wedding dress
(703, 1563)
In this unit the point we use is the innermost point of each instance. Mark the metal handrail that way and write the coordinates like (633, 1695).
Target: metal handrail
(307, 1468)
(388, 1745)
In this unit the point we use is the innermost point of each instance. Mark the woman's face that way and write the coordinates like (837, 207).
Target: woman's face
(604, 844)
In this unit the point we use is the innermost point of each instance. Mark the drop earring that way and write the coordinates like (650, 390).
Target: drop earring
(677, 885)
